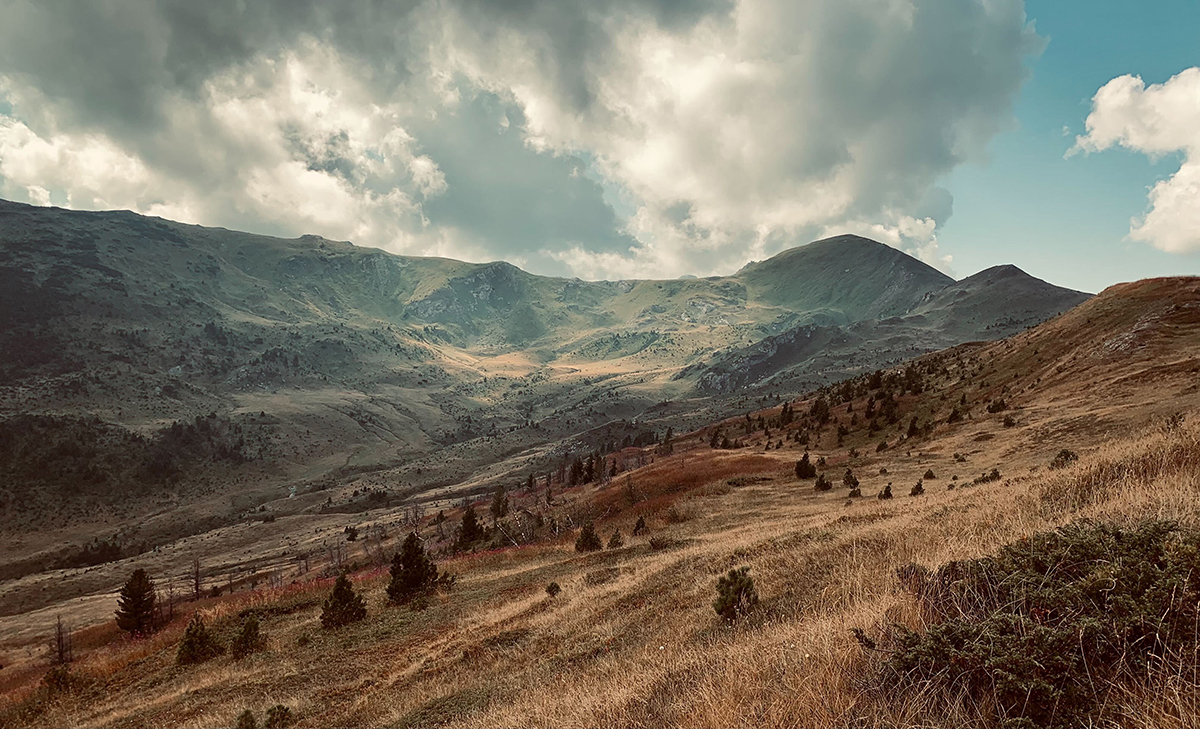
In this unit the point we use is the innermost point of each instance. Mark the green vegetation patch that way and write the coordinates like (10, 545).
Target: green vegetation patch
(1043, 630)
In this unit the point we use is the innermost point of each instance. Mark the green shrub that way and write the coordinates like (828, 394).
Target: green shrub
(822, 484)
(886, 493)
(805, 469)
(918, 489)
(278, 717)
(343, 606)
(588, 540)
(249, 640)
(198, 644)
(1041, 632)
(736, 595)
(1064, 458)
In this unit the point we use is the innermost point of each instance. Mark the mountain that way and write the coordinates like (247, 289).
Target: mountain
(152, 367)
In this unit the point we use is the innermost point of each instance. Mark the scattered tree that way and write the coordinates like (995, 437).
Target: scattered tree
(135, 606)
(471, 530)
(414, 574)
(736, 595)
(343, 606)
(249, 640)
(886, 493)
(616, 542)
(918, 489)
(588, 540)
(198, 644)
(929, 475)
(822, 484)
(640, 527)
(61, 650)
(805, 469)
(499, 506)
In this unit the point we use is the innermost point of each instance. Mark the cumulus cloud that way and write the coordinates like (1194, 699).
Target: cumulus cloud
(1155, 120)
(609, 138)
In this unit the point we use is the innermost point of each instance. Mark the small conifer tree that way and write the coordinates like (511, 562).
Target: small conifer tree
(887, 492)
(471, 530)
(343, 606)
(640, 527)
(249, 640)
(850, 481)
(278, 717)
(414, 575)
(198, 644)
(930, 475)
(804, 468)
(616, 542)
(822, 484)
(917, 490)
(588, 540)
(736, 595)
(135, 606)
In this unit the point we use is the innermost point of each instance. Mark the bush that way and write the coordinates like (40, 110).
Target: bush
(918, 489)
(930, 475)
(736, 595)
(278, 717)
(246, 720)
(1010, 421)
(616, 542)
(849, 480)
(343, 606)
(994, 475)
(823, 484)
(657, 543)
(1064, 458)
(59, 680)
(805, 469)
(640, 527)
(1042, 631)
(588, 540)
(198, 644)
(553, 589)
(249, 640)
(886, 493)
(883, 446)
(996, 406)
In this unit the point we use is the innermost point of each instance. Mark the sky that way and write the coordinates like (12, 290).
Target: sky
(627, 138)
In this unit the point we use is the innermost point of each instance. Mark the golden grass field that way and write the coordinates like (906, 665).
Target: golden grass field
(633, 640)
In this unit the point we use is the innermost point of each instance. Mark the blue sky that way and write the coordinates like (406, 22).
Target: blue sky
(1067, 219)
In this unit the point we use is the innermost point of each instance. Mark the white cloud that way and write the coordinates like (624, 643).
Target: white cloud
(1155, 120)
(728, 130)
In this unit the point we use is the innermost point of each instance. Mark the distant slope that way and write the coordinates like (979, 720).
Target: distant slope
(319, 360)
(994, 303)
(856, 276)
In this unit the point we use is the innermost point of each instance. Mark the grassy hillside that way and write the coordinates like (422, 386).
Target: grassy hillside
(633, 639)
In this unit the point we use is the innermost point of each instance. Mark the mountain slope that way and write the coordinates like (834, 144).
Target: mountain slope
(290, 365)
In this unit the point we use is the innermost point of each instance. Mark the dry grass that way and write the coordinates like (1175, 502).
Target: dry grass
(632, 639)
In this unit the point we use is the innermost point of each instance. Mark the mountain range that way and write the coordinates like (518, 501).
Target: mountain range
(153, 367)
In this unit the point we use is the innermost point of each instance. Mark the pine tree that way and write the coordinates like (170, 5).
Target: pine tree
(470, 531)
(640, 527)
(343, 606)
(804, 468)
(735, 594)
(250, 640)
(499, 504)
(135, 606)
(414, 574)
(198, 644)
(588, 540)
(616, 542)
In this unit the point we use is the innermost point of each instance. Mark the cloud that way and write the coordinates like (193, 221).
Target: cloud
(1155, 120)
(602, 138)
